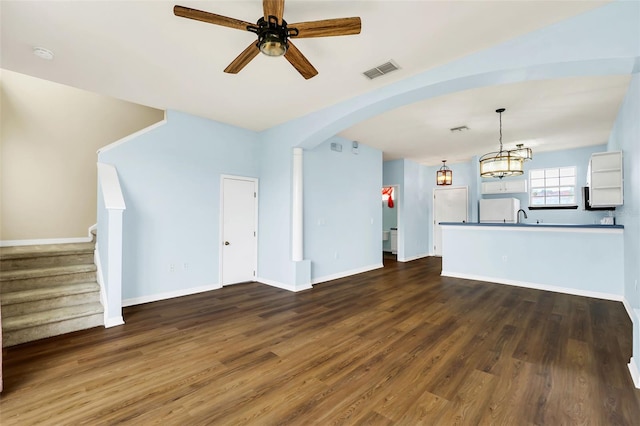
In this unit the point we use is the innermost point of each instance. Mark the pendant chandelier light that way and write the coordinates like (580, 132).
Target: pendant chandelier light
(504, 163)
(444, 176)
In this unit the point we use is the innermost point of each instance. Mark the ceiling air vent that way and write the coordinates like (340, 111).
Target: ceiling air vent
(381, 70)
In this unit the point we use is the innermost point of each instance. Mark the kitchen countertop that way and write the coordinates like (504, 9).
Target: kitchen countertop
(534, 225)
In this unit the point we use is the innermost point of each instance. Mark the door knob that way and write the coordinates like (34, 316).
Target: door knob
(226, 243)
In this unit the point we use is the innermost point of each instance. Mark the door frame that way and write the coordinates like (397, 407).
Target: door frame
(221, 222)
(399, 223)
(432, 249)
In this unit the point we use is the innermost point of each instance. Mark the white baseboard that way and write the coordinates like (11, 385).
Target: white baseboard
(169, 295)
(537, 286)
(635, 372)
(12, 243)
(409, 259)
(39, 241)
(277, 284)
(346, 273)
(629, 309)
(113, 322)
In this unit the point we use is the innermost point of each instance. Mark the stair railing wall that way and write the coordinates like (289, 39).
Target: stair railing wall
(109, 246)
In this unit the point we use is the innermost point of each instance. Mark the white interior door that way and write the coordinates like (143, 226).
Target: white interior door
(239, 235)
(449, 205)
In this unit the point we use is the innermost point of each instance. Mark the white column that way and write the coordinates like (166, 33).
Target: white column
(297, 240)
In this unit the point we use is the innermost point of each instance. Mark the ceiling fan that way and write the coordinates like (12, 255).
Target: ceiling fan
(274, 34)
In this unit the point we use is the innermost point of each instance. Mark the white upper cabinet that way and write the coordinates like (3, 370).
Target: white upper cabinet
(605, 188)
(511, 186)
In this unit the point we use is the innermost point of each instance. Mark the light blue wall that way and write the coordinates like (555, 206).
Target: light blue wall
(274, 221)
(170, 178)
(415, 211)
(413, 206)
(625, 136)
(571, 157)
(342, 209)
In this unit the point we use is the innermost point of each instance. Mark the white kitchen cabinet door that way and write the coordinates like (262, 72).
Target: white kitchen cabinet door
(504, 186)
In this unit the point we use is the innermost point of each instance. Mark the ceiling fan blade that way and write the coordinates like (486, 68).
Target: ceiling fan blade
(273, 8)
(211, 18)
(243, 59)
(299, 62)
(327, 28)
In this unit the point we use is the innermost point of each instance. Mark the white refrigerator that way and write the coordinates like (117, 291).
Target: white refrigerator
(499, 210)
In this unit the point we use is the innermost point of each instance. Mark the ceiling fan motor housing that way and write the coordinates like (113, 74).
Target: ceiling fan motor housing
(272, 37)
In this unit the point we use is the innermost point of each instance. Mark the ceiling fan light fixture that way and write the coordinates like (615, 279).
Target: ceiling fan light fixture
(272, 45)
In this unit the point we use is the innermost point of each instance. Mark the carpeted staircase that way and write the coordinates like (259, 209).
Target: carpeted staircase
(47, 290)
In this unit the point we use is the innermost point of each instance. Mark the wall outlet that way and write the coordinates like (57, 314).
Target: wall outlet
(185, 265)
(172, 267)
(504, 258)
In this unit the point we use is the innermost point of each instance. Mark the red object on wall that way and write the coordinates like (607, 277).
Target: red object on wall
(389, 193)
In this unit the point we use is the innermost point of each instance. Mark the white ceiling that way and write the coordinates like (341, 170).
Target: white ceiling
(544, 115)
(140, 52)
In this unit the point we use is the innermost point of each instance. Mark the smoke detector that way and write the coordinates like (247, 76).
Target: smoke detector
(43, 53)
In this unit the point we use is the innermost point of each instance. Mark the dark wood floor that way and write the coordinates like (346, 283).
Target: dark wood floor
(399, 345)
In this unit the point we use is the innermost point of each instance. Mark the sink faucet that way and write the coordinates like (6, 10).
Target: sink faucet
(523, 212)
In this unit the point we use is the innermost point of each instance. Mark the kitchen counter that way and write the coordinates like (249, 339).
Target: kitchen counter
(534, 225)
(583, 259)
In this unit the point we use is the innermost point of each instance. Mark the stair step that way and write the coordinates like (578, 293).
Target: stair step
(41, 299)
(46, 261)
(45, 277)
(11, 324)
(16, 252)
(45, 272)
(32, 295)
(48, 290)
(48, 255)
(29, 334)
